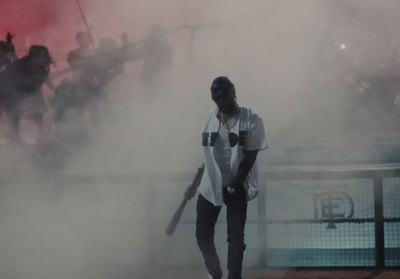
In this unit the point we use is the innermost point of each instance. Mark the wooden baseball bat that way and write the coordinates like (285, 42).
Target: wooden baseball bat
(189, 193)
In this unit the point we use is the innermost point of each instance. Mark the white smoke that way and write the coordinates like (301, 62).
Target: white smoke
(269, 49)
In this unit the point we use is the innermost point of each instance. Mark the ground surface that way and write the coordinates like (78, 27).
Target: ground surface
(185, 273)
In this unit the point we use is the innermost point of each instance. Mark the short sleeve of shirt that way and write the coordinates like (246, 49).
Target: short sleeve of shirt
(255, 139)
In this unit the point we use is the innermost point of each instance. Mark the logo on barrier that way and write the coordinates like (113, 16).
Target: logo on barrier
(332, 203)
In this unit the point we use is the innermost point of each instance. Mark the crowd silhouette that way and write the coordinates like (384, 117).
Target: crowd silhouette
(81, 98)
(85, 87)
(367, 86)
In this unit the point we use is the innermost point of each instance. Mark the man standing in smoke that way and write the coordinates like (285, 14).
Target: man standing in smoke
(232, 135)
(73, 95)
(78, 60)
(109, 68)
(7, 58)
(26, 97)
(157, 59)
(84, 83)
(108, 63)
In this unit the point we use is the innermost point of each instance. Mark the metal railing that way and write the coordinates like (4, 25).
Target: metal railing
(375, 173)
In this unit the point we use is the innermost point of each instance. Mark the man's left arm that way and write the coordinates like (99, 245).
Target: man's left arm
(255, 142)
(244, 168)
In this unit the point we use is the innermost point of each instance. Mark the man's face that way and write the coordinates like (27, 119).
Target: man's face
(225, 100)
(42, 60)
(84, 41)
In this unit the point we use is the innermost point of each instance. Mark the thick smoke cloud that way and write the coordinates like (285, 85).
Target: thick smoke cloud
(279, 54)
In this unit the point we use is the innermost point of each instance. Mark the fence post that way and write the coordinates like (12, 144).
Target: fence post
(262, 223)
(150, 216)
(379, 224)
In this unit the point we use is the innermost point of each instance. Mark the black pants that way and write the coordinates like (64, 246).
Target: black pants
(207, 215)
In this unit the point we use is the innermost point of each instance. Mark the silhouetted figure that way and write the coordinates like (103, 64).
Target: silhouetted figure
(157, 54)
(7, 58)
(109, 68)
(26, 98)
(108, 62)
(74, 95)
(80, 61)
(7, 53)
(78, 57)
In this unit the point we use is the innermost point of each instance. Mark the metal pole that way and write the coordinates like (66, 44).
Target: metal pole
(262, 223)
(86, 24)
(379, 224)
(151, 223)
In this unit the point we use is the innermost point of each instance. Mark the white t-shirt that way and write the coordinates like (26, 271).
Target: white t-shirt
(247, 134)
(222, 154)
